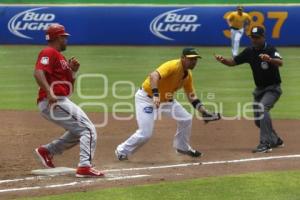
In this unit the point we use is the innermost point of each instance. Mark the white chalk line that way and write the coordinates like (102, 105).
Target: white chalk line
(252, 159)
(144, 168)
(206, 163)
(27, 179)
(74, 183)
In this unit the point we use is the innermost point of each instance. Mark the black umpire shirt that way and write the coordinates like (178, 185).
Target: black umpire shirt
(264, 73)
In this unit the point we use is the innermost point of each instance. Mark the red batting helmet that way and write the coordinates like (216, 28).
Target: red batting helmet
(55, 30)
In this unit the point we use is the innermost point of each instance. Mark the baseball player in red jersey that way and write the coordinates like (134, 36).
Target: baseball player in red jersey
(55, 77)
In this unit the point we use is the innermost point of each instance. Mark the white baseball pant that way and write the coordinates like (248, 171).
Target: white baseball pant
(146, 114)
(236, 36)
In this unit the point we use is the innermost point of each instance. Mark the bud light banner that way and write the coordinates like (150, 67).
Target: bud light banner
(144, 25)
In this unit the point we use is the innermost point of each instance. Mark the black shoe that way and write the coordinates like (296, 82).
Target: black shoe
(279, 143)
(192, 153)
(120, 156)
(262, 148)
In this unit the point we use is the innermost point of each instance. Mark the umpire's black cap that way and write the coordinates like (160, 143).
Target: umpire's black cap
(190, 52)
(241, 8)
(257, 31)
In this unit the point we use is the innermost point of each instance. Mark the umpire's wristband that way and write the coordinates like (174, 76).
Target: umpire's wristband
(155, 92)
(197, 103)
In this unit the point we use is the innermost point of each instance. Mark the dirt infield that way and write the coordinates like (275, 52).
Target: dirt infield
(21, 132)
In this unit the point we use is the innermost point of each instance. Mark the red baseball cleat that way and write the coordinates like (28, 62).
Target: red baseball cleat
(45, 157)
(88, 172)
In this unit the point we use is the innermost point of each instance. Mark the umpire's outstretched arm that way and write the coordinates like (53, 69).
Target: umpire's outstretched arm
(226, 61)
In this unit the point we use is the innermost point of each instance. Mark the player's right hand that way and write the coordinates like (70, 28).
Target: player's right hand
(52, 98)
(156, 101)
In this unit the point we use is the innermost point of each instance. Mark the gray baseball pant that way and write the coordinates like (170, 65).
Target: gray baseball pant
(79, 129)
(266, 98)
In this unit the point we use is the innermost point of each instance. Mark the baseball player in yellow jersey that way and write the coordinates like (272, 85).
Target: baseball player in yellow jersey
(156, 96)
(237, 21)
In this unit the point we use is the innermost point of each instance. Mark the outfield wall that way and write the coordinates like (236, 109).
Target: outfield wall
(144, 25)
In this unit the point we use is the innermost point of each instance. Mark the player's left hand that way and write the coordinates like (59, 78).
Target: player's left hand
(74, 64)
(208, 117)
(265, 57)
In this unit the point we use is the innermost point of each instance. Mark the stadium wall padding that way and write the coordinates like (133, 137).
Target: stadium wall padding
(145, 25)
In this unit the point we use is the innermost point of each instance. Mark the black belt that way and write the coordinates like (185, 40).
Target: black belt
(234, 28)
(149, 96)
(171, 100)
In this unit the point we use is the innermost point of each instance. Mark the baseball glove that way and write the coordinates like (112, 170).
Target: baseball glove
(209, 117)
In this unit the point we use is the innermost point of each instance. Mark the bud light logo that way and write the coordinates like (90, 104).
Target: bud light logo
(174, 22)
(30, 20)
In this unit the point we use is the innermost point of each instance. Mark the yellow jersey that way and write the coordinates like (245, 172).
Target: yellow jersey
(173, 77)
(238, 21)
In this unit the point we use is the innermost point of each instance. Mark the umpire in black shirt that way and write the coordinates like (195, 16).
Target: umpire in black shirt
(265, 61)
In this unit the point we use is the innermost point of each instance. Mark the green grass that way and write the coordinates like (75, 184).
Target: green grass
(152, 1)
(228, 85)
(266, 186)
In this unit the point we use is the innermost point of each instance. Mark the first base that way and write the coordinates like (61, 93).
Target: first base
(54, 171)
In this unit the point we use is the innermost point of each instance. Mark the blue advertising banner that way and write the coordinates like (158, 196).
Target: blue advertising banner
(144, 25)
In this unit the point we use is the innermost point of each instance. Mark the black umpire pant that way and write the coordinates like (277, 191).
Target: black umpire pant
(264, 100)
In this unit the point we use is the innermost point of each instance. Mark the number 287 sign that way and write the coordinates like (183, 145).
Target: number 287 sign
(258, 19)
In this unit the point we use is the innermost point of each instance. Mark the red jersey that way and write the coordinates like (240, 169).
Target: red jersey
(57, 72)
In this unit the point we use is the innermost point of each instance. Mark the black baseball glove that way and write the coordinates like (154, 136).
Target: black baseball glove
(209, 117)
